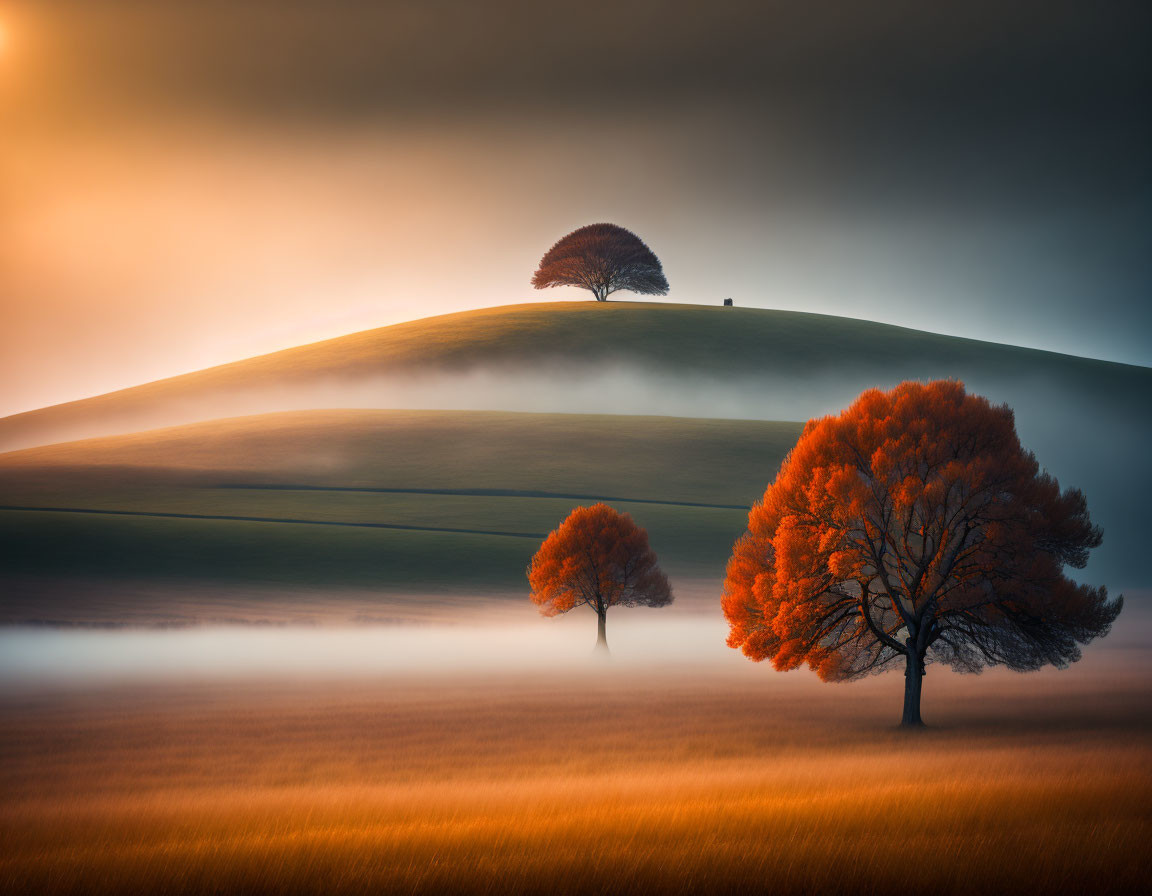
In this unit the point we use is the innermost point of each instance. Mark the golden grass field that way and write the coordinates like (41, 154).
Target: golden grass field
(721, 779)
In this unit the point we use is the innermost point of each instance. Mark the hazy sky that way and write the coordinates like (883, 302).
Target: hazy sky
(187, 183)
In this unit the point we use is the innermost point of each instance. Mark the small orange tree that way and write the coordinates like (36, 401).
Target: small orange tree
(913, 525)
(600, 558)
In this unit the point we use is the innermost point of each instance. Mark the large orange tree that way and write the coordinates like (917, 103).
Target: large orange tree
(914, 527)
(598, 558)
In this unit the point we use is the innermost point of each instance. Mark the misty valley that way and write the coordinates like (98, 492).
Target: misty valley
(576, 448)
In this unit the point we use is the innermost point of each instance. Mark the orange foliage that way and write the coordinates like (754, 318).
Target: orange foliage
(914, 525)
(600, 558)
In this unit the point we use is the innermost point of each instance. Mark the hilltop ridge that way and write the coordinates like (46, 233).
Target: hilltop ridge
(421, 363)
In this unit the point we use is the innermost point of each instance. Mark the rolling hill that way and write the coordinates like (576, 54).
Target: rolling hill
(282, 473)
(635, 358)
(382, 510)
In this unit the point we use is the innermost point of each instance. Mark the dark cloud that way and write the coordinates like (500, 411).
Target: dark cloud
(963, 63)
(1035, 92)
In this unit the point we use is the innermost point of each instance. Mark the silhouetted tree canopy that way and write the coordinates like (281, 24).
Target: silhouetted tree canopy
(600, 558)
(914, 525)
(602, 258)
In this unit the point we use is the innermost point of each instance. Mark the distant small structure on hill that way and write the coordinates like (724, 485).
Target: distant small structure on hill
(727, 303)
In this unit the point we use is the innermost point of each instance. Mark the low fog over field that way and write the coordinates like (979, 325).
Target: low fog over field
(618, 357)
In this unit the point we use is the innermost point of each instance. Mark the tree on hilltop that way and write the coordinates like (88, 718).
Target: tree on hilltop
(913, 526)
(602, 258)
(599, 558)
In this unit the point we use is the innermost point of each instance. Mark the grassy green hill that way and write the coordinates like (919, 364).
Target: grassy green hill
(810, 362)
(388, 504)
(455, 500)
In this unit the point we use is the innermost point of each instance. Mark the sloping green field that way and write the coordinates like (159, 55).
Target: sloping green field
(659, 458)
(678, 344)
(387, 502)
(395, 502)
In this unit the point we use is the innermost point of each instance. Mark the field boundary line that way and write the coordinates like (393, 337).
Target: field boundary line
(270, 519)
(472, 493)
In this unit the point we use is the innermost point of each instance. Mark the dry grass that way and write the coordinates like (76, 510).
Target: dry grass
(653, 783)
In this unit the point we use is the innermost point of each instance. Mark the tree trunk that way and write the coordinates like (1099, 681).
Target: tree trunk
(913, 681)
(601, 636)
